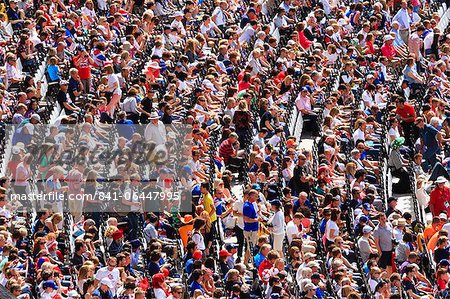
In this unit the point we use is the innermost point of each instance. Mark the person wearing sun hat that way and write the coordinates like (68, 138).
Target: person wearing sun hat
(440, 197)
(155, 130)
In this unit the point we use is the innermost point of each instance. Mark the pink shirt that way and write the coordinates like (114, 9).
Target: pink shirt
(303, 103)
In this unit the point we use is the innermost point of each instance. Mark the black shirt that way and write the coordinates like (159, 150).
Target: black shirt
(77, 260)
(441, 254)
(74, 85)
(267, 116)
(296, 184)
(147, 104)
(62, 98)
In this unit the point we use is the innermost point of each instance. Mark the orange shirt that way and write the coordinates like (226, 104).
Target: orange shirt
(430, 230)
(184, 233)
(433, 242)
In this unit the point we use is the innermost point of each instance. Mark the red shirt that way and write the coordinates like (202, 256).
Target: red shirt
(388, 51)
(84, 69)
(371, 48)
(407, 111)
(226, 150)
(304, 42)
(263, 270)
(440, 198)
(243, 85)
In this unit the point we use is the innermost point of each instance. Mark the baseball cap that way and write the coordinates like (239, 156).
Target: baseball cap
(50, 284)
(197, 255)
(367, 229)
(367, 207)
(223, 253)
(118, 234)
(275, 202)
(363, 219)
(256, 187)
(443, 216)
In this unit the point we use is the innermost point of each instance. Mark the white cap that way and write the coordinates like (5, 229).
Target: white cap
(443, 216)
(106, 281)
(367, 229)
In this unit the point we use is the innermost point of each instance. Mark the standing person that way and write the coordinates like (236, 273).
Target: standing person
(407, 115)
(23, 174)
(155, 131)
(440, 197)
(430, 141)
(220, 15)
(238, 212)
(83, 62)
(403, 18)
(242, 122)
(74, 180)
(383, 235)
(208, 204)
(332, 228)
(251, 220)
(113, 88)
(278, 226)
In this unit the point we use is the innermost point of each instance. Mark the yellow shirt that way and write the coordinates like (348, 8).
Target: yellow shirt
(207, 202)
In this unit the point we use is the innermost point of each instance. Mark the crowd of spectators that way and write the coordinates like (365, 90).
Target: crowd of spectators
(307, 123)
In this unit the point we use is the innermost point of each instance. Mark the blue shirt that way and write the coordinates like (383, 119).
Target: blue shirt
(189, 265)
(53, 73)
(249, 211)
(126, 128)
(258, 259)
(196, 286)
(323, 225)
(429, 137)
(297, 205)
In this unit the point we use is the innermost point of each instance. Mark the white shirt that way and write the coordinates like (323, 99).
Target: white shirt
(274, 140)
(86, 12)
(102, 4)
(155, 133)
(278, 223)
(159, 293)
(220, 17)
(238, 206)
(280, 21)
(332, 58)
(113, 275)
(326, 6)
(247, 34)
(291, 230)
(331, 225)
(179, 26)
(367, 98)
(208, 30)
(358, 134)
(113, 80)
(199, 240)
(200, 116)
(428, 41)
